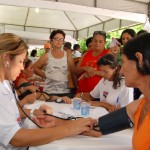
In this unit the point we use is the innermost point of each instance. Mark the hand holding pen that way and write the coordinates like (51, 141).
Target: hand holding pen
(116, 106)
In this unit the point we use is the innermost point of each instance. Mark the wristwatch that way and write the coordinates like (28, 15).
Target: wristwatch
(31, 113)
(59, 100)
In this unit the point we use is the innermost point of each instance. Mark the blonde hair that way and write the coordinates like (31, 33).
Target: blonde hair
(11, 44)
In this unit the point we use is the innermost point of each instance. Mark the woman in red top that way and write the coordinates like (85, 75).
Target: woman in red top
(87, 69)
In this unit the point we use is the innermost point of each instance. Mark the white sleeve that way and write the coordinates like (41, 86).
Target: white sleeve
(126, 96)
(9, 119)
(141, 96)
(96, 91)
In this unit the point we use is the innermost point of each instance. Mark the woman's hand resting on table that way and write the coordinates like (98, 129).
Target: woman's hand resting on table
(92, 133)
(66, 99)
(81, 126)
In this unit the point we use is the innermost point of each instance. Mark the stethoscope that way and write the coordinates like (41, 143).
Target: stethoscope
(44, 113)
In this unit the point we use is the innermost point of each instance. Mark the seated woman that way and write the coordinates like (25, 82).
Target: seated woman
(111, 89)
(25, 87)
(136, 70)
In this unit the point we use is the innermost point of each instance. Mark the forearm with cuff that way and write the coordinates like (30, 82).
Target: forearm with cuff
(114, 122)
(21, 90)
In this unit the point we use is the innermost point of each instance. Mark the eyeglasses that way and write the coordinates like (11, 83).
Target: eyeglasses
(59, 39)
(107, 61)
(100, 32)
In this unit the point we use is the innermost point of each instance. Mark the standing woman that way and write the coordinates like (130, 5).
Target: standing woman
(56, 63)
(12, 135)
(126, 35)
(87, 69)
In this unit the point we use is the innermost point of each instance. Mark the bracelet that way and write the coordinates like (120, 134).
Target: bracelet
(31, 113)
(22, 88)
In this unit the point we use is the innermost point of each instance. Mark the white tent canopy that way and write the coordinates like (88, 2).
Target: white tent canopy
(78, 18)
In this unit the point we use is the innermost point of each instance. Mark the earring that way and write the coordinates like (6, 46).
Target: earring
(7, 64)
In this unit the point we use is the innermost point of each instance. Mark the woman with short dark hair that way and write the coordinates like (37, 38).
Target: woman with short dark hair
(56, 63)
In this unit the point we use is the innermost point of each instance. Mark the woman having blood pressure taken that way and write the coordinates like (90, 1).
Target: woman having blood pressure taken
(136, 70)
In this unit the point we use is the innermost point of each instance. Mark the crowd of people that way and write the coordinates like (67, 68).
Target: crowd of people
(109, 78)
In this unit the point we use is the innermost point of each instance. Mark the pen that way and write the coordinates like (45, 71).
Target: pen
(117, 102)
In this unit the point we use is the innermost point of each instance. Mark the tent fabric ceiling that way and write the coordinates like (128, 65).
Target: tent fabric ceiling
(78, 18)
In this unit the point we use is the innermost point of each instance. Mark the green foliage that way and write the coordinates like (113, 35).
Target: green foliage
(115, 34)
(137, 28)
(82, 43)
(40, 52)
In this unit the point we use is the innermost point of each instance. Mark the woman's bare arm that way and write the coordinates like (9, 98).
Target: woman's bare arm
(35, 137)
(80, 69)
(38, 66)
(131, 108)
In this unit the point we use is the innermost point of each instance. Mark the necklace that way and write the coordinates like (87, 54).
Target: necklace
(146, 108)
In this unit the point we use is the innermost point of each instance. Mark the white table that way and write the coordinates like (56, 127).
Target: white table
(117, 141)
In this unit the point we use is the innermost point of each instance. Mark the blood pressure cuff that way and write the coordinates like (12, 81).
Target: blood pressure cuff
(26, 92)
(24, 85)
(115, 121)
